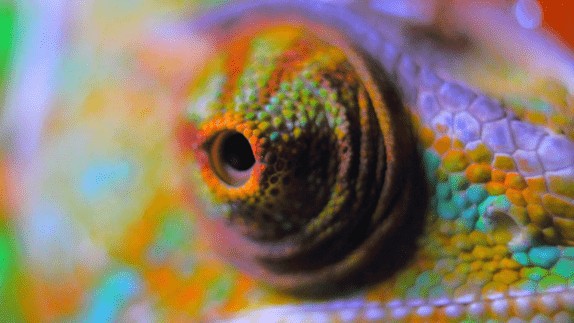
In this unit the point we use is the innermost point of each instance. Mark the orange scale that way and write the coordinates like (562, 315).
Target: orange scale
(550, 235)
(536, 117)
(427, 137)
(240, 127)
(519, 214)
(478, 173)
(480, 154)
(498, 176)
(531, 197)
(566, 229)
(558, 206)
(495, 188)
(255, 134)
(561, 185)
(494, 288)
(515, 197)
(504, 162)
(442, 145)
(506, 276)
(455, 160)
(515, 181)
(247, 132)
(510, 264)
(537, 184)
(458, 144)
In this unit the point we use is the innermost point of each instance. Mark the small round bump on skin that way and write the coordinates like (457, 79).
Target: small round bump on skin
(486, 110)
(454, 311)
(395, 303)
(564, 268)
(478, 152)
(548, 303)
(400, 312)
(558, 206)
(349, 314)
(562, 317)
(567, 300)
(375, 313)
(528, 163)
(561, 182)
(443, 123)
(428, 105)
(541, 318)
(455, 97)
(503, 162)
(500, 308)
(526, 135)
(552, 283)
(425, 311)
(497, 136)
(466, 295)
(442, 145)
(414, 302)
(476, 309)
(428, 79)
(556, 152)
(466, 128)
(523, 306)
(440, 301)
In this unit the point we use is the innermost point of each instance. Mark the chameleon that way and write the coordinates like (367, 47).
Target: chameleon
(298, 161)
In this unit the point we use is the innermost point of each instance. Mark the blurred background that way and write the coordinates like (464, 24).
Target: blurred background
(92, 218)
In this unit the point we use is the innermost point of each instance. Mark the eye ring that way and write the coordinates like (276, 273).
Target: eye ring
(231, 158)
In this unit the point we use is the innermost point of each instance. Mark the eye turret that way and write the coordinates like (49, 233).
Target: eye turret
(309, 157)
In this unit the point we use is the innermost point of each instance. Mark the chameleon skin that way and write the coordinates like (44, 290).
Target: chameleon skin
(119, 239)
(501, 211)
(313, 118)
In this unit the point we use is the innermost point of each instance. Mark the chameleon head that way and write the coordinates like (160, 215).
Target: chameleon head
(300, 149)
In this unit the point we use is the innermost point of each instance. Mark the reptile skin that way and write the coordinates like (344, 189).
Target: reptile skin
(460, 146)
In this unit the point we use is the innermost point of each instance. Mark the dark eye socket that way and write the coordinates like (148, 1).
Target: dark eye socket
(231, 157)
(236, 152)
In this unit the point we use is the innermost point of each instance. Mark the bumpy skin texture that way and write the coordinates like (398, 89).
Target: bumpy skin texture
(129, 235)
(497, 235)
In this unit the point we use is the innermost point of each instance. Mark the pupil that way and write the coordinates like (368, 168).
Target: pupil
(236, 152)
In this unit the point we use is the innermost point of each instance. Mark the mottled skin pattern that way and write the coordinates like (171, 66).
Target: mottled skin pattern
(497, 235)
(130, 236)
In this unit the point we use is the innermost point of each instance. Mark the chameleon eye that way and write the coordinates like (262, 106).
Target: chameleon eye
(327, 157)
(231, 157)
(306, 144)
